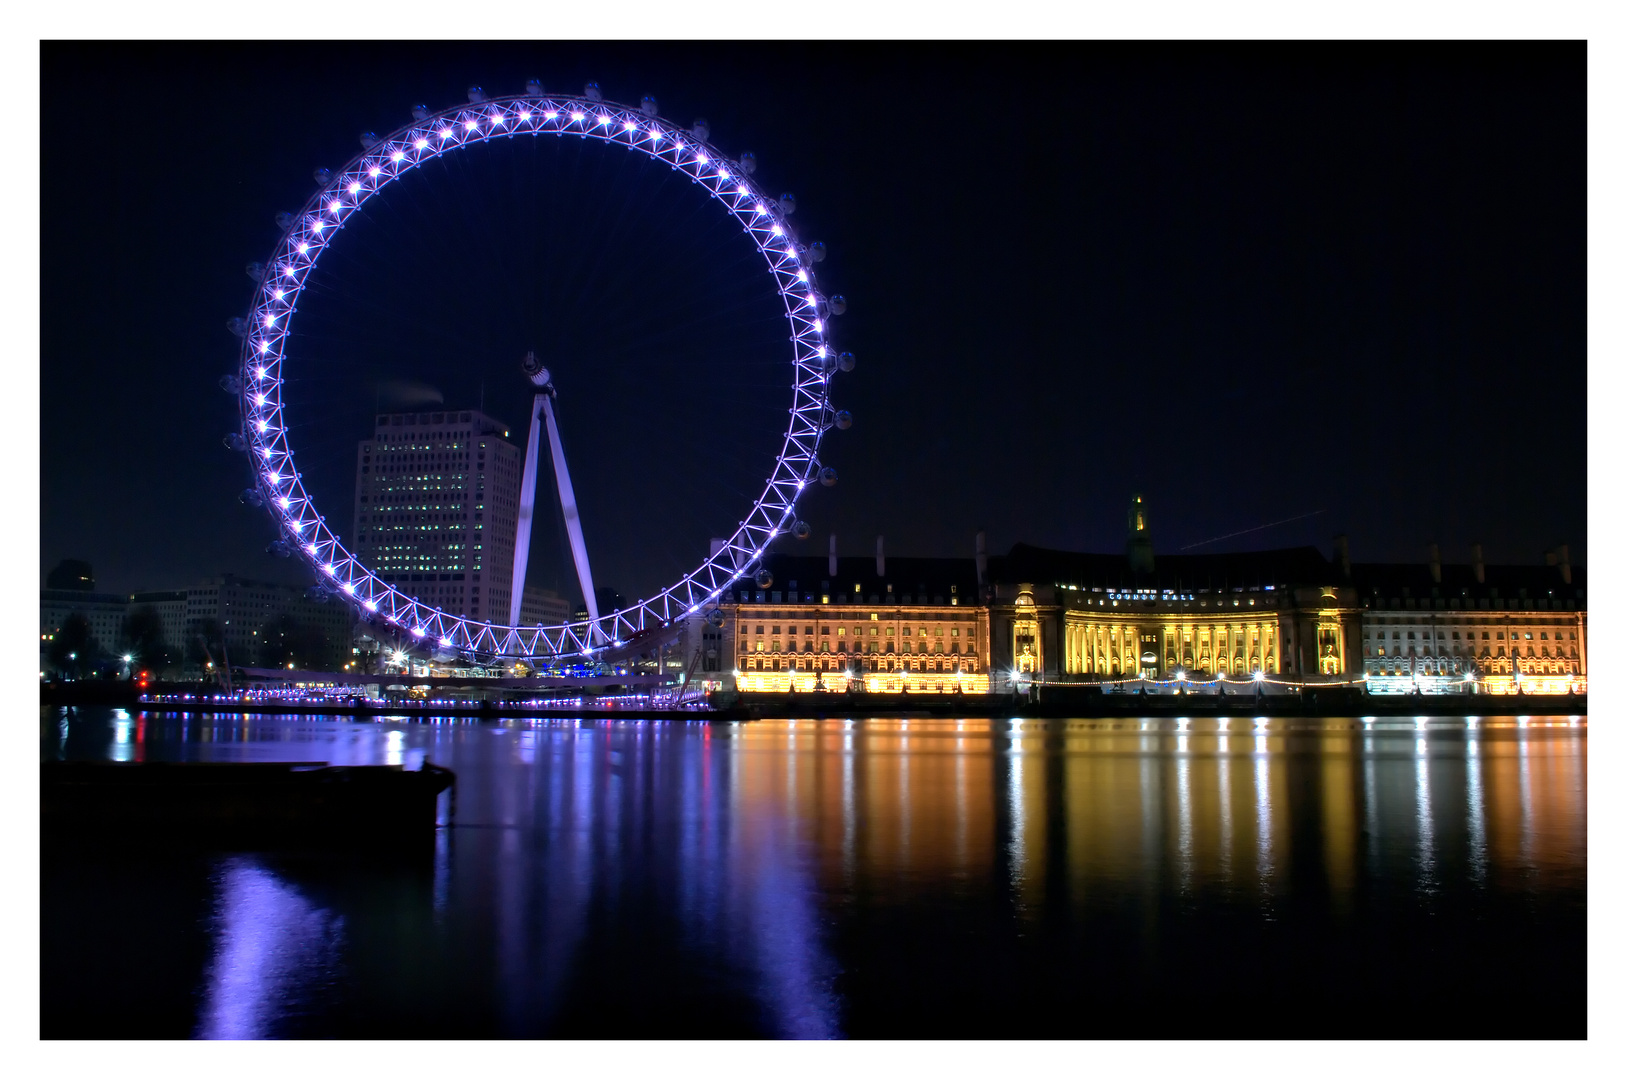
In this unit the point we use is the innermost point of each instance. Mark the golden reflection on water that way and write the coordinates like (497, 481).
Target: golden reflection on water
(1109, 808)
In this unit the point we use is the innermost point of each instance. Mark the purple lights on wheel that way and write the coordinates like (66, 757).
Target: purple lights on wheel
(429, 136)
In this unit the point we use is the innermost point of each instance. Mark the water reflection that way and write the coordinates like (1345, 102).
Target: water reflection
(802, 878)
(275, 952)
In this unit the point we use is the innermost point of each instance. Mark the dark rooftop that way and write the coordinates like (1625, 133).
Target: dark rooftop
(1185, 573)
(925, 580)
(1394, 581)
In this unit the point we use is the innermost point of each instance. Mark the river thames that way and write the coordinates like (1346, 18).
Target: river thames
(1264, 878)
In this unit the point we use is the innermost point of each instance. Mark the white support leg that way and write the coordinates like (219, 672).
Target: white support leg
(567, 502)
(528, 500)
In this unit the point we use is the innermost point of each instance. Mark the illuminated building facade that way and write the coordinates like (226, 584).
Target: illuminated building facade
(1288, 617)
(437, 500)
(834, 624)
(1078, 617)
(1499, 629)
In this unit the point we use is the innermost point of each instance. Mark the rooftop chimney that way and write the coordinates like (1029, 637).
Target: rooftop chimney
(832, 554)
(1478, 557)
(1341, 548)
(1565, 563)
(881, 560)
(982, 557)
(1435, 563)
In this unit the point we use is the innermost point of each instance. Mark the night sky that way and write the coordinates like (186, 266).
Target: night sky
(1338, 284)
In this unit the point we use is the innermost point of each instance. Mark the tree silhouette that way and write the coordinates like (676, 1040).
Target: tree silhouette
(203, 646)
(287, 639)
(144, 638)
(74, 651)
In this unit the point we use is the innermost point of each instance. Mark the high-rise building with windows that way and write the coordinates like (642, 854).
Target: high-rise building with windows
(437, 502)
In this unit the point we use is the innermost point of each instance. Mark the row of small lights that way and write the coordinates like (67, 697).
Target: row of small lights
(284, 289)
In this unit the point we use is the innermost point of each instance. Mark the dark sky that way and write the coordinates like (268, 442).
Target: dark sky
(1333, 283)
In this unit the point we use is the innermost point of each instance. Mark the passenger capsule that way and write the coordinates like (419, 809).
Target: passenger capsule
(476, 95)
(816, 251)
(591, 92)
(322, 176)
(764, 579)
(845, 361)
(827, 476)
(533, 87)
(255, 270)
(234, 441)
(748, 162)
(844, 420)
(648, 107)
(238, 326)
(701, 129)
(802, 530)
(285, 221)
(714, 617)
(369, 139)
(788, 204)
(251, 497)
(420, 112)
(317, 594)
(838, 304)
(279, 548)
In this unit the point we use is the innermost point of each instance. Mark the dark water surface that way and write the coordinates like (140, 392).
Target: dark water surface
(874, 878)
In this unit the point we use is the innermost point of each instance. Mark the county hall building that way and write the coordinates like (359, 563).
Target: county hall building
(1282, 616)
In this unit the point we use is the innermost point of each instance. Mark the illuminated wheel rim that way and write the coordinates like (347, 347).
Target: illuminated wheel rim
(276, 300)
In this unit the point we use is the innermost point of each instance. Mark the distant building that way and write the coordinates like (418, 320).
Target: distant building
(437, 502)
(259, 619)
(104, 612)
(543, 607)
(171, 607)
(1512, 628)
(72, 574)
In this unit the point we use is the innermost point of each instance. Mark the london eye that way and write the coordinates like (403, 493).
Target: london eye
(270, 354)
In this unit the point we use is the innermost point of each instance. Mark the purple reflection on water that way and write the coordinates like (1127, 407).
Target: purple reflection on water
(782, 940)
(273, 948)
(770, 898)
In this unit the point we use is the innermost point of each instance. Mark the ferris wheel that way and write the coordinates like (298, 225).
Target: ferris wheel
(811, 365)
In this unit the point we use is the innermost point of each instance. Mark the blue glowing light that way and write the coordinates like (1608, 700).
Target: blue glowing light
(610, 123)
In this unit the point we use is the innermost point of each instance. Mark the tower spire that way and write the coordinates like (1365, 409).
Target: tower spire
(1138, 540)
